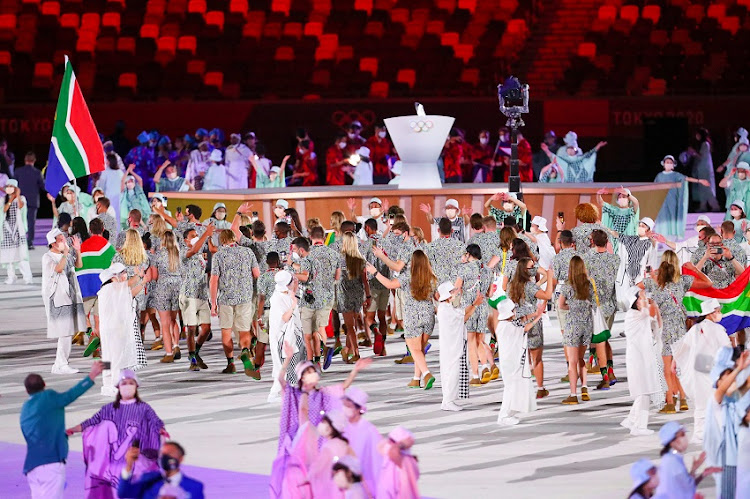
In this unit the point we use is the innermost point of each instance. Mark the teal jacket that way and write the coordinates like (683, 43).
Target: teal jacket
(43, 425)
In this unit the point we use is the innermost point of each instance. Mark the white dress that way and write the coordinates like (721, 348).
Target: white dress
(280, 332)
(117, 330)
(363, 174)
(237, 159)
(62, 297)
(518, 392)
(452, 332)
(743, 463)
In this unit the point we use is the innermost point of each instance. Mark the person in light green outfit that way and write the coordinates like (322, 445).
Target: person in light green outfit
(273, 178)
(671, 218)
(622, 217)
(737, 185)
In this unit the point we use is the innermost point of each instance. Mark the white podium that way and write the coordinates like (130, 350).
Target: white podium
(419, 141)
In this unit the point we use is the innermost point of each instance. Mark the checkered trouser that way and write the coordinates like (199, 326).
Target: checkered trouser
(300, 356)
(139, 349)
(463, 379)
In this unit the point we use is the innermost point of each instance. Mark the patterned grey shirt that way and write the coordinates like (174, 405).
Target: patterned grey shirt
(602, 268)
(323, 263)
(445, 257)
(110, 225)
(561, 264)
(489, 243)
(194, 283)
(266, 286)
(721, 272)
(234, 266)
(120, 242)
(582, 234)
(736, 250)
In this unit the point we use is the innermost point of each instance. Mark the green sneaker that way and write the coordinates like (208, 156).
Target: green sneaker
(93, 345)
(247, 363)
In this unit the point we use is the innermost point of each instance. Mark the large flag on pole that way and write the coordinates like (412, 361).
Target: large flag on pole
(76, 150)
(734, 300)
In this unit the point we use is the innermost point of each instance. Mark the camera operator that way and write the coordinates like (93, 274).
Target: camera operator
(718, 262)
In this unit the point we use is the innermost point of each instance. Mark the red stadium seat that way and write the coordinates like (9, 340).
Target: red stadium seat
(365, 5)
(166, 44)
(374, 28)
(470, 5)
(344, 52)
(51, 9)
(283, 6)
(731, 24)
(435, 27)
(90, 20)
(321, 78)
(517, 26)
(629, 13)
(329, 40)
(7, 22)
(470, 75)
(607, 13)
(695, 12)
(43, 72)
(652, 13)
(447, 5)
(408, 76)
(111, 20)
(292, 30)
(464, 51)
(214, 79)
(215, 18)
(197, 7)
(196, 67)
(449, 39)
(717, 11)
(369, 65)
(128, 80)
(126, 44)
(284, 54)
(400, 16)
(150, 31)
(70, 20)
(187, 44)
(379, 89)
(313, 29)
(587, 50)
(5, 58)
(238, 7)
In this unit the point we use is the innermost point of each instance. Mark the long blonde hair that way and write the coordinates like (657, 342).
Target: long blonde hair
(158, 226)
(133, 252)
(355, 262)
(579, 278)
(669, 269)
(170, 246)
(337, 218)
(418, 234)
(423, 280)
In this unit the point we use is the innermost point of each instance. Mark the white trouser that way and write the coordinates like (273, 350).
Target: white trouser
(274, 338)
(638, 415)
(699, 419)
(450, 364)
(64, 346)
(23, 266)
(47, 481)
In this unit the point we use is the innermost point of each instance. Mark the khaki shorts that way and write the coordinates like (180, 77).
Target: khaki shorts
(314, 319)
(194, 311)
(237, 317)
(399, 302)
(379, 300)
(263, 331)
(561, 317)
(91, 306)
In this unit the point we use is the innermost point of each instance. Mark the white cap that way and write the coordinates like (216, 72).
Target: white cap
(627, 191)
(215, 155)
(52, 235)
(540, 222)
(668, 156)
(351, 463)
(376, 200)
(160, 197)
(648, 222)
(742, 165)
(363, 152)
(452, 202)
(703, 218)
(282, 279)
(275, 169)
(709, 306)
(739, 204)
(444, 290)
(283, 203)
(219, 205)
(505, 309)
(113, 270)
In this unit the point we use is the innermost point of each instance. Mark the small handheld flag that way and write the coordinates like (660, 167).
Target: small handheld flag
(75, 150)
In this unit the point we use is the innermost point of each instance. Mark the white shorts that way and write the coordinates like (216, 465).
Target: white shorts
(194, 311)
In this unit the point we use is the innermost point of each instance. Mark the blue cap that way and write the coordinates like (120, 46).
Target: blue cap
(153, 135)
(669, 431)
(201, 132)
(639, 472)
(722, 362)
(143, 137)
(164, 140)
(219, 133)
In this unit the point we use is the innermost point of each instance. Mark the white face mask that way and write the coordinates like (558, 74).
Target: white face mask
(9, 190)
(324, 429)
(484, 141)
(61, 246)
(69, 196)
(272, 176)
(623, 202)
(351, 135)
(350, 412)
(300, 150)
(669, 166)
(641, 232)
(342, 145)
(279, 212)
(130, 185)
(735, 212)
(382, 134)
(340, 480)
(311, 378)
(127, 392)
(295, 255)
(375, 212)
(741, 175)
(172, 175)
(221, 215)
(451, 213)
(508, 207)
(156, 204)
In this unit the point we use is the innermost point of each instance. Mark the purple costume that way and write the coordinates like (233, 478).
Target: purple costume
(108, 434)
(143, 158)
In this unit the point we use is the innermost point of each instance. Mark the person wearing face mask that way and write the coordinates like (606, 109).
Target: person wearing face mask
(363, 436)
(167, 482)
(691, 353)
(621, 217)
(737, 187)
(275, 178)
(716, 260)
(453, 214)
(645, 478)
(730, 375)
(143, 156)
(216, 176)
(482, 156)
(170, 181)
(551, 173)
(305, 170)
(675, 481)
(381, 150)
(219, 217)
(637, 252)
(279, 209)
(512, 207)
(671, 218)
(575, 165)
(353, 138)
(238, 163)
(62, 296)
(14, 249)
(110, 181)
(400, 472)
(375, 211)
(132, 196)
(116, 427)
(336, 160)
(96, 195)
(453, 157)
(198, 165)
(347, 476)
(77, 203)
(361, 167)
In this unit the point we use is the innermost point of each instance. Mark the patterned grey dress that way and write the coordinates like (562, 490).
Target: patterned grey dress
(419, 315)
(140, 298)
(579, 323)
(669, 301)
(528, 306)
(166, 290)
(351, 292)
(475, 278)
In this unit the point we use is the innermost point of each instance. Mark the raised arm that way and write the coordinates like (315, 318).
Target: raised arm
(723, 384)
(388, 283)
(201, 240)
(159, 171)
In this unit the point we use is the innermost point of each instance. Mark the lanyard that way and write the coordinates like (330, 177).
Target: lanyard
(596, 294)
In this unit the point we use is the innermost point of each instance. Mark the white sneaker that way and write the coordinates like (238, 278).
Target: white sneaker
(451, 406)
(626, 424)
(641, 432)
(509, 421)
(30, 281)
(66, 369)
(9, 281)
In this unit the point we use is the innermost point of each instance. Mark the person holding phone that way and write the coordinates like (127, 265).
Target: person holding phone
(718, 262)
(127, 422)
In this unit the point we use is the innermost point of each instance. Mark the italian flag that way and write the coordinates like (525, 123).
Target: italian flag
(734, 300)
(96, 255)
(75, 150)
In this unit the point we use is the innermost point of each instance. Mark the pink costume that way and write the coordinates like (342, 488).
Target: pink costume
(364, 439)
(399, 482)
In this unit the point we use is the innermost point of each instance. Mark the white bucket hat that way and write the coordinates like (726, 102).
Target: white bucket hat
(282, 279)
(283, 203)
(505, 309)
(113, 270)
(648, 222)
(452, 202)
(739, 204)
(540, 222)
(709, 306)
(444, 291)
(52, 235)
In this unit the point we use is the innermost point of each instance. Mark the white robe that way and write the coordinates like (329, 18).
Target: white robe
(216, 178)
(363, 173)
(61, 291)
(705, 338)
(279, 331)
(110, 181)
(237, 159)
(116, 322)
(743, 463)
(452, 330)
(518, 392)
(546, 251)
(642, 353)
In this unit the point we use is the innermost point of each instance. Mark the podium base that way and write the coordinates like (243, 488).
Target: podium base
(419, 176)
